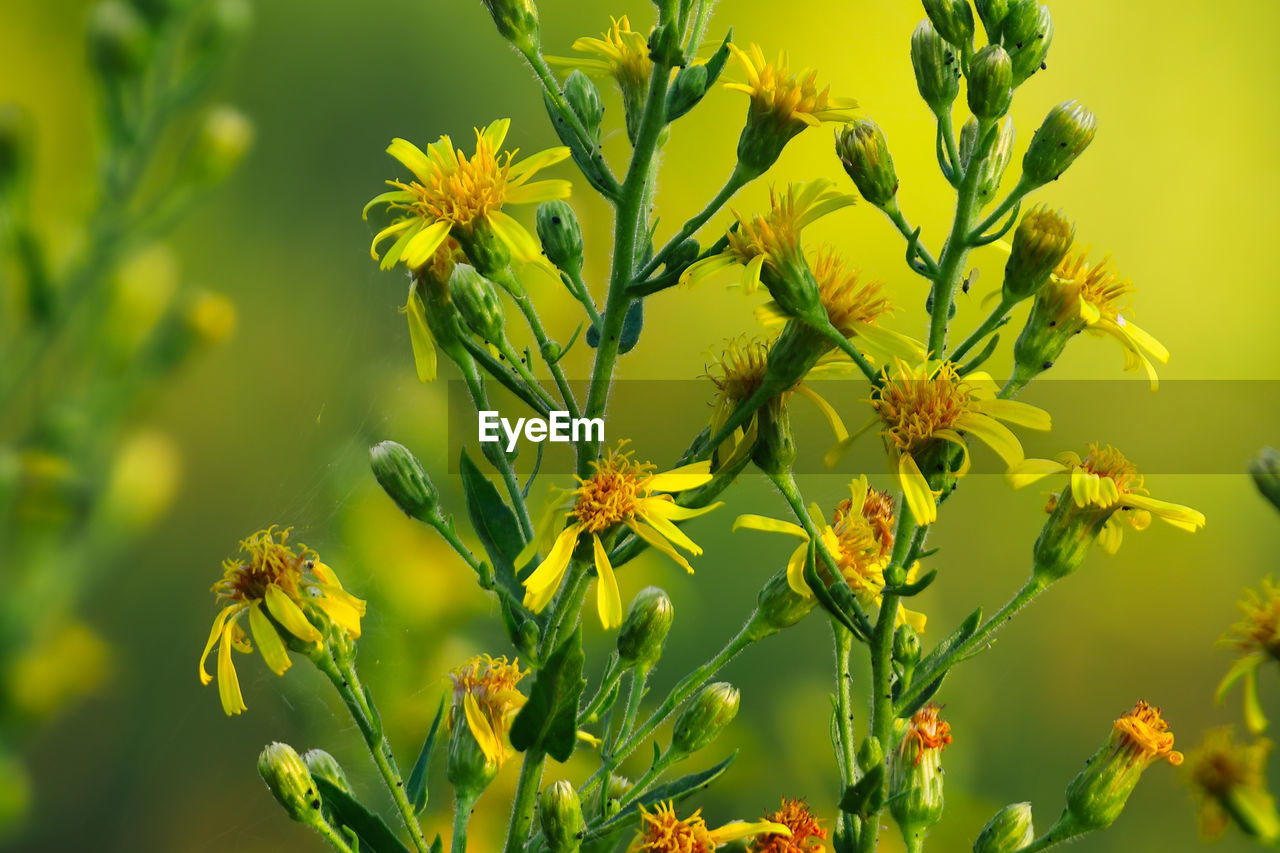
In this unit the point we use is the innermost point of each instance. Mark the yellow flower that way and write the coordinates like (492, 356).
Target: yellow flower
(925, 731)
(452, 194)
(485, 694)
(806, 836)
(620, 53)
(1258, 636)
(663, 832)
(854, 307)
(859, 539)
(769, 244)
(1144, 736)
(620, 492)
(276, 586)
(1105, 481)
(1230, 780)
(925, 408)
(1088, 297)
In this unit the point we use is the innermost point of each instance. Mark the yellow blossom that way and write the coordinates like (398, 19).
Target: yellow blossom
(662, 831)
(485, 694)
(806, 836)
(1230, 780)
(1257, 635)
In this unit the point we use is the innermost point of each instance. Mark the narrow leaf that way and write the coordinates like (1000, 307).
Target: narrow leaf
(861, 797)
(673, 791)
(374, 834)
(494, 523)
(549, 719)
(416, 787)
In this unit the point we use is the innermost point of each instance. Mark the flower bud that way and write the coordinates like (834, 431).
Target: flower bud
(992, 13)
(1041, 241)
(143, 481)
(15, 147)
(223, 139)
(1098, 794)
(119, 40)
(210, 317)
(775, 448)
(953, 20)
(915, 778)
(1008, 832)
(870, 753)
(477, 301)
(290, 782)
(705, 717)
(561, 235)
(324, 766)
(517, 21)
(995, 161)
(468, 769)
(1265, 470)
(937, 68)
(1064, 540)
(1027, 32)
(1041, 340)
(1064, 135)
(402, 477)
(906, 646)
(584, 99)
(990, 82)
(778, 606)
(864, 152)
(644, 630)
(560, 813)
(686, 90)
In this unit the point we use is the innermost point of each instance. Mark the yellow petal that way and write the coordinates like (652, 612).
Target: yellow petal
(539, 191)
(994, 434)
(740, 829)
(608, 598)
(648, 534)
(751, 274)
(268, 640)
(412, 158)
(517, 238)
(424, 244)
(1183, 517)
(668, 529)
(424, 347)
(1031, 470)
(1014, 412)
(704, 268)
(218, 622)
(341, 613)
(680, 479)
(394, 228)
(389, 197)
(484, 734)
(289, 615)
(675, 512)
(540, 587)
(828, 411)
(768, 525)
(916, 491)
(537, 162)
(496, 132)
(228, 683)
(795, 571)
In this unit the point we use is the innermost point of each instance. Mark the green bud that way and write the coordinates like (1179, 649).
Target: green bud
(937, 67)
(906, 646)
(290, 782)
(1009, 831)
(864, 152)
(1064, 540)
(560, 813)
(517, 21)
(1265, 470)
(561, 235)
(477, 301)
(15, 147)
(1027, 32)
(915, 775)
(775, 448)
(990, 82)
(645, 628)
(584, 99)
(1064, 135)
(870, 753)
(1043, 338)
(119, 40)
(686, 90)
(992, 13)
(403, 478)
(221, 143)
(324, 766)
(953, 20)
(225, 26)
(993, 165)
(778, 606)
(468, 770)
(1041, 241)
(705, 717)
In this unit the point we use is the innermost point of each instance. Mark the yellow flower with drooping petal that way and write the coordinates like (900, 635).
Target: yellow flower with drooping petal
(1092, 297)
(1105, 481)
(662, 831)
(923, 409)
(806, 835)
(276, 586)
(1144, 735)
(452, 194)
(619, 493)
(769, 243)
(485, 694)
(622, 54)
(1230, 781)
(860, 540)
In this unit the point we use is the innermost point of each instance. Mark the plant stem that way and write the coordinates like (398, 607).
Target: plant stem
(475, 385)
(1017, 194)
(526, 797)
(512, 285)
(347, 682)
(846, 346)
(844, 703)
(328, 833)
(899, 219)
(736, 181)
(639, 677)
(993, 321)
(461, 820)
(612, 675)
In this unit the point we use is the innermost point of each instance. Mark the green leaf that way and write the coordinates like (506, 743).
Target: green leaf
(494, 523)
(925, 695)
(548, 722)
(374, 834)
(632, 324)
(437, 846)
(948, 644)
(919, 586)
(862, 798)
(673, 791)
(416, 787)
(844, 615)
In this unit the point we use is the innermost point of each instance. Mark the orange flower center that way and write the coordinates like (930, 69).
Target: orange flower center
(1146, 733)
(848, 301)
(1106, 461)
(806, 835)
(927, 731)
(464, 194)
(915, 407)
(269, 562)
(663, 832)
(610, 495)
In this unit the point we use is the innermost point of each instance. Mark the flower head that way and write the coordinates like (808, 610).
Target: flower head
(1257, 636)
(1230, 780)
(485, 694)
(926, 731)
(915, 775)
(453, 194)
(619, 493)
(806, 835)
(622, 54)
(782, 105)
(928, 409)
(288, 595)
(662, 831)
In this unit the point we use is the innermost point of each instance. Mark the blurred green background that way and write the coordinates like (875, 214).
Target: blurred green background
(1179, 187)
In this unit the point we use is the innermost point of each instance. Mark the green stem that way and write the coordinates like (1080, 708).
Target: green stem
(587, 145)
(989, 325)
(347, 682)
(1024, 596)
(613, 675)
(522, 370)
(949, 140)
(461, 820)
(650, 776)
(578, 287)
(566, 610)
(737, 180)
(846, 346)
(1017, 194)
(525, 304)
(480, 398)
(328, 833)
(639, 678)
(844, 703)
(526, 798)
(899, 219)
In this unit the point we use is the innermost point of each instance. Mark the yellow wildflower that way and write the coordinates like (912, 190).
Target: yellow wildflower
(806, 836)
(276, 586)
(622, 54)
(925, 408)
(1257, 635)
(620, 492)
(662, 831)
(452, 194)
(1230, 780)
(485, 694)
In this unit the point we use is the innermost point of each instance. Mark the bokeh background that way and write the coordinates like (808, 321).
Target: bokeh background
(1179, 187)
